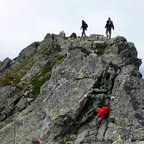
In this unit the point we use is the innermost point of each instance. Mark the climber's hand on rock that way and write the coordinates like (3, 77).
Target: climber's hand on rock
(112, 98)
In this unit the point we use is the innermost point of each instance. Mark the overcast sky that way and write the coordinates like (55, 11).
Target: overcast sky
(25, 21)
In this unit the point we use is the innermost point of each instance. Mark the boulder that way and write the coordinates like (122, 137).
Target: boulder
(62, 34)
(73, 35)
(98, 37)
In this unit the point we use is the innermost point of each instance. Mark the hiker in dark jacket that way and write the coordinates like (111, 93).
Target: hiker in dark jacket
(84, 28)
(101, 103)
(109, 75)
(109, 25)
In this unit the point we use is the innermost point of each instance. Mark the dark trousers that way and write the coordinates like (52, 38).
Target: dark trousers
(107, 80)
(83, 33)
(108, 32)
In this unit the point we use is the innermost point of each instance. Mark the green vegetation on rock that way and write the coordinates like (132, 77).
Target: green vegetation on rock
(13, 76)
(45, 74)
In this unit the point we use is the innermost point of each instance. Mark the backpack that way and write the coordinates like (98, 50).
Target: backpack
(98, 100)
(86, 25)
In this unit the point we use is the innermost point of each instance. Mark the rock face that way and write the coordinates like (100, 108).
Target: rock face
(5, 64)
(43, 93)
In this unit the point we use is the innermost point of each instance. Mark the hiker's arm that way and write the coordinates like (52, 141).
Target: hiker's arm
(110, 97)
(95, 90)
(92, 90)
(118, 67)
(90, 95)
(106, 25)
(119, 70)
(113, 26)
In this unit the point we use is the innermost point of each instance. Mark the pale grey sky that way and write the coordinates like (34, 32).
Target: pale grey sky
(26, 21)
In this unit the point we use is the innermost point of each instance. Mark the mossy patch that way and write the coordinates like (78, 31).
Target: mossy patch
(118, 140)
(65, 139)
(45, 74)
(40, 79)
(59, 57)
(86, 44)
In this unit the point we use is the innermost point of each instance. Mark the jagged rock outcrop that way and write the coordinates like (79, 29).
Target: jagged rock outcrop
(44, 93)
(73, 35)
(62, 34)
(5, 64)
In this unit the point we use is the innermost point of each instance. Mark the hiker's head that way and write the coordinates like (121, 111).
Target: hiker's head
(110, 62)
(109, 18)
(83, 21)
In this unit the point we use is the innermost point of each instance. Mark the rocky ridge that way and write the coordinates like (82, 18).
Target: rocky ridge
(42, 92)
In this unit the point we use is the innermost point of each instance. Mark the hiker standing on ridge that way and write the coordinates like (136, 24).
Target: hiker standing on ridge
(84, 28)
(109, 25)
(109, 75)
